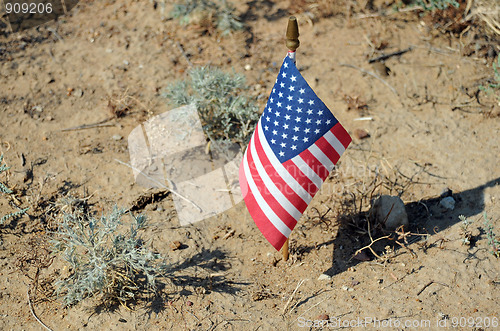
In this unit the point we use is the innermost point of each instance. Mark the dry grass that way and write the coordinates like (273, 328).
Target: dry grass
(487, 11)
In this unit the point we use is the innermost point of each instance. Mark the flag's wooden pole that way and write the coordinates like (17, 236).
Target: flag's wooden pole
(292, 43)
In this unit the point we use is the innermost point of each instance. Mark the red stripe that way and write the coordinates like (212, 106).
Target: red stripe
(315, 164)
(267, 195)
(328, 149)
(302, 179)
(341, 134)
(275, 238)
(282, 185)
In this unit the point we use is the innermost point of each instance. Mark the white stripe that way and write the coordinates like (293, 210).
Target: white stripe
(318, 153)
(307, 170)
(280, 169)
(277, 222)
(276, 193)
(330, 137)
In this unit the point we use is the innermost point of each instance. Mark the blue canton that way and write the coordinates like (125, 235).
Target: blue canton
(294, 117)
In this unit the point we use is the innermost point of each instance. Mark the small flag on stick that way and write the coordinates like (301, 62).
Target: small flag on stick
(296, 144)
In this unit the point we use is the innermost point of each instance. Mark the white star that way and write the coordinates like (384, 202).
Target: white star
(288, 107)
(306, 130)
(311, 102)
(273, 141)
(275, 132)
(308, 121)
(282, 154)
(294, 138)
(318, 122)
(301, 100)
(285, 126)
(328, 122)
(305, 139)
(290, 98)
(274, 90)
(284, 136)
(283, 145)
(292, 88)
(276, 123)
(294, 147)
(267, 118)
(316, 131)
(266, 127)
(282, 85)
(297, 119)
(283, 75)
(320, 112)
(309, 111)
(278, 104)
(296, 129)
(287, 117)
(293, 78)
(280, 94)
(285, 65)
(302, 91)
(277, 114)
(299, 110)
(271, 100)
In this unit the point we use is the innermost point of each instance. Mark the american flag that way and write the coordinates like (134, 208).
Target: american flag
(296, 144)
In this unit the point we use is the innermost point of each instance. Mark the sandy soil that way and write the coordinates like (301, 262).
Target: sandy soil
(431, 128)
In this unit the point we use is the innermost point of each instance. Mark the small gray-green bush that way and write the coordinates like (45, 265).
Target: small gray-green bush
(494, 87)
(4, 189)
(227, 113)
(105, 258)
(493, 242)
(220, 15)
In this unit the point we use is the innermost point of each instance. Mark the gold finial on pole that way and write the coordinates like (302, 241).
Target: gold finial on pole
(292, 34)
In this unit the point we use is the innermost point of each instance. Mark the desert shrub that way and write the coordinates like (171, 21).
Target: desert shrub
(494, 87)
(208, 14)
(5, 190)
(493, 242)
(227, 114)
(105, 258)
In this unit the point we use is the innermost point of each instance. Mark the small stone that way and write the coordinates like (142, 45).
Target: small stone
(361, 134)
(248, 67)
(347, 288)
(362, 256)
(381, 69)
(175, 245)
(448, 203)
(189, 303)
(323, 317)
(78, 93)
(125, 62)
(117, 137)
(324, 277)
(390, 212)
(446, 192)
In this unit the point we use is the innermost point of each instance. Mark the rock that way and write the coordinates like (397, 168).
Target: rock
(324, 277)
(361, 134)
(448, 203)
(117, 137)
(248, 67)
(323, 317)
(175, 245)
(446, 192)
(390, 212)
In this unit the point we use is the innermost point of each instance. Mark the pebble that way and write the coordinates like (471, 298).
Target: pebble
(117, 137)
(361, 134)
(324, 277)
(175, 245)
(248, 67)
(189, 303)
(390, 211)
(78, 93)
(448, 203)
(323, 317)
(347, 288)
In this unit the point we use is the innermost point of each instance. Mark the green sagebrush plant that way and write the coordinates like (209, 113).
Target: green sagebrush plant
(105, 258)
(227, 114)
(493, 242)
(220, 15)
(5, 190)
(493, 87)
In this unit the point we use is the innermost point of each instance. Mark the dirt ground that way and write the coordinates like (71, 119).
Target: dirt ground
(430, 128)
